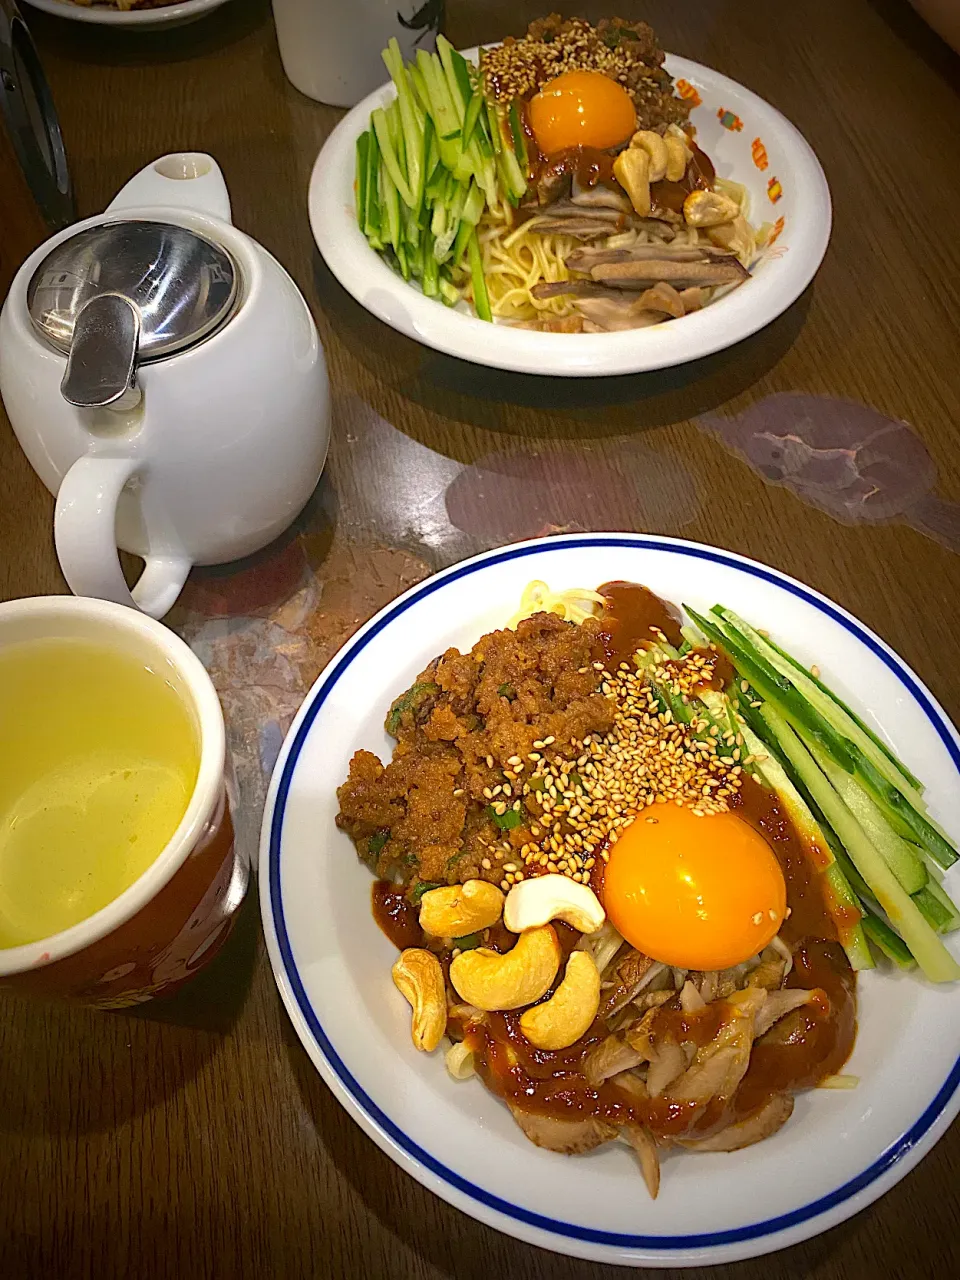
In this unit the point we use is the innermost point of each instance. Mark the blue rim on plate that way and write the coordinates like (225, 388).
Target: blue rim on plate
(554, 1226)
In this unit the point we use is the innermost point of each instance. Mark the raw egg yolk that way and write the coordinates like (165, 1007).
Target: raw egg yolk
(696, 893)
(581, 109)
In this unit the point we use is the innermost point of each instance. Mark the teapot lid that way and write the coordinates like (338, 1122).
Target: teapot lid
(182, 285)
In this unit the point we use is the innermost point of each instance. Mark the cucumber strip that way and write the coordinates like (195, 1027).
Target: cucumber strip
(845, 908)
(360, 186)
(828, 708)
(481, 300)
(412, 128)
(390, 206)
(389, 156)
(429, 268)
(929, 952)
(444, 243)
(516, 133)
(474, 107)
(473, 205)
(892, 946)
(829, 693)
(899, 810)
(935, 914)
(446, 53)
(902, 858)
(373, 214)
(936, 890)
(460, 244)
(440, 107)
(449, 293)
(419, 85)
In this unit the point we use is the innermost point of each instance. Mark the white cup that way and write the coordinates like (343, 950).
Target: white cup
(331, 48)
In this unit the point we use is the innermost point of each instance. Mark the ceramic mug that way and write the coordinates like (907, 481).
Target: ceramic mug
(331, 50)
(176, 916)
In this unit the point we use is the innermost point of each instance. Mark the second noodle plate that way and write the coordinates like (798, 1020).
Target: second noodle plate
(749, 142)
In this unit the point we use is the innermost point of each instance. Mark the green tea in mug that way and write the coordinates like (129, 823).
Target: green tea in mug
(98, 760)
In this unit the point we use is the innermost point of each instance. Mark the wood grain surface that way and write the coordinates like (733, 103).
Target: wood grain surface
(194, 1139)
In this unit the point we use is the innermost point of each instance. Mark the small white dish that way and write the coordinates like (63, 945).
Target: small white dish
(748, 141)
(840, 1150)
(168, 15)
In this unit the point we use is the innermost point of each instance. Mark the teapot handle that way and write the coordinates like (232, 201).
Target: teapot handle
(86, 543)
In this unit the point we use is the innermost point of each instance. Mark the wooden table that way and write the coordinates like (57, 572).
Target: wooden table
(195, 1139)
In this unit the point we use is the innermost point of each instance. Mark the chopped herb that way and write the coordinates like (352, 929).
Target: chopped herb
(468, 941)
(538, 784)
(420, 888)
(408, 701)
(577, 781)
(507, 691)
(376, 842)
(452, 862)
(505, 821)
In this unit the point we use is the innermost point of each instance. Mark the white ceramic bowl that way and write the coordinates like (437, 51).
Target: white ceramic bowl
(738, 130)
(168, 15)
(839, 1151)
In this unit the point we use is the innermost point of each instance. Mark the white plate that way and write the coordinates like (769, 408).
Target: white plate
(839, 1151)
(802, 200)
(168, 15)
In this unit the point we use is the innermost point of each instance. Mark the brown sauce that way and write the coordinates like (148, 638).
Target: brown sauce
(588, 165)
(397, 917)
(632, 617)
(800, 1050)
(700, 176)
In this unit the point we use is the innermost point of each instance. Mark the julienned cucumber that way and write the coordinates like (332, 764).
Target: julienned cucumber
(433, 160)
(929, 952)
(901, 806)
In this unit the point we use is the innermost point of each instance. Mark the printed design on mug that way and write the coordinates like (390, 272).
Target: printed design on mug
(774, 190)
(427, 18)
(759, 153)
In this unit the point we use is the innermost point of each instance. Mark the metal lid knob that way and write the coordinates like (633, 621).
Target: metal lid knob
(180, 287)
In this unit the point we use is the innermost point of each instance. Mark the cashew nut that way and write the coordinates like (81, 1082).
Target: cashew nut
(532, 903)
(678, 157)
(656, 149)
(458, 909)
(709, 209)
(560, 1021)
(490, 981)
(417, 976)
(632, 170)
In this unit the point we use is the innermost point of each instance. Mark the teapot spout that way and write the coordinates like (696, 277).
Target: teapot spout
(189, 180)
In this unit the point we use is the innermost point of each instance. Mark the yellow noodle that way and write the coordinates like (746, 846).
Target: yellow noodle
(575, 605)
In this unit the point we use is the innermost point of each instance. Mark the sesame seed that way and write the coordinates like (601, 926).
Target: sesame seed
(485, 863)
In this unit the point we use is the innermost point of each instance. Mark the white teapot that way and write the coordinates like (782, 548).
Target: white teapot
(163, 375)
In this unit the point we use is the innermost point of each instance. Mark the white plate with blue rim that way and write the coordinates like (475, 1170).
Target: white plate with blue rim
(839, 1151)
(748, 140)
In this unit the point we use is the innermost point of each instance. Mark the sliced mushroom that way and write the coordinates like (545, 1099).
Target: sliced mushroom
(641, 1139)
(571, 288)
(601, 196)
(635, 968)
(568, 1137)
(552, 186)
(641, 275)
(598, 213)
(668, 1063)
(584, 258)
(584, 227)
(777, 1005)
(609, 1058)
(773, 1115)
